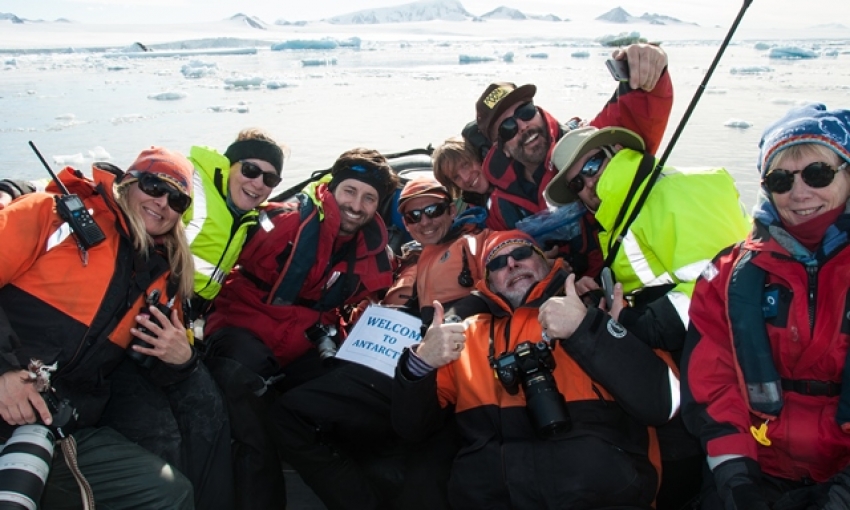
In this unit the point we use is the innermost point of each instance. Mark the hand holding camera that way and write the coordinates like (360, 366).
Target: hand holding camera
(20, 402)
(159, 334)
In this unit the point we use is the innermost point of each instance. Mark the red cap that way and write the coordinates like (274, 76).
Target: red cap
(166, 164)
(423, 186)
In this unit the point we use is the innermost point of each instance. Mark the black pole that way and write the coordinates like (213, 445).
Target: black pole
(614, 248)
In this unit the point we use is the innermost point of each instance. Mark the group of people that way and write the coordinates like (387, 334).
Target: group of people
(712, 375)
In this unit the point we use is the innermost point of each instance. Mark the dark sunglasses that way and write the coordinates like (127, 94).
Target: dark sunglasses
(500, 262)
(156, 187)
(509, 128)
(432, 211)
(815, 175)
(590, 168)
(252, 171)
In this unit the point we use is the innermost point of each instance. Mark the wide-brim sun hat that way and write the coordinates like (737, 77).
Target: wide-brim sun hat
(575, 144)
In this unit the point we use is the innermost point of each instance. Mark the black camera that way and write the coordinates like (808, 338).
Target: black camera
(321, 335)
(530, 365)
(26, 458)
(144, 360)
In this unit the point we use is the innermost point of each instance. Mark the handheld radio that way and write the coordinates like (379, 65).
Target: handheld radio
(72, 210)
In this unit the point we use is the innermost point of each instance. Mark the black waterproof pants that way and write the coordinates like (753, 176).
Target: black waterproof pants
(336, 432)
(184, 423)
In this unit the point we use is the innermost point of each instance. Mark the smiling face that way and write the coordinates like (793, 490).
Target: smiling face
(588, 192)
(428, 230)
(357, 203)
(247, 193)
(157, 216)
(531, 143)
(804, 202)
(515, 279)
(468, 176)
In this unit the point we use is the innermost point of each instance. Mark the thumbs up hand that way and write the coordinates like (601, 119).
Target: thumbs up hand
(560, 316)
(442, 343)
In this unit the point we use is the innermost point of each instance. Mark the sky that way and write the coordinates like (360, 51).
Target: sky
(762, 13)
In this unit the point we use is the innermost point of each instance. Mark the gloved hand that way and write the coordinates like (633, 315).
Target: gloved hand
(737, 484)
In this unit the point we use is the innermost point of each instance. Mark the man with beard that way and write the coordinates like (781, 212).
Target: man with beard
(580, 432)
(518, 164)
(306, 262)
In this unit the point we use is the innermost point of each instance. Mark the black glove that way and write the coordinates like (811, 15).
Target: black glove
(737, 484)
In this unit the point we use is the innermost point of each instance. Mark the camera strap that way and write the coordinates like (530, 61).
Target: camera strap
(69, 451)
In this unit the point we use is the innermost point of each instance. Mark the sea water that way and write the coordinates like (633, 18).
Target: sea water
(388, 95)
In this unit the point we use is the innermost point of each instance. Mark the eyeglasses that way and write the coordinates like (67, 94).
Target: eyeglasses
(509, 128)
(432, 211)
(590, 168)
(500, 262)
(156, 187)
(815, 175)
(252, 171)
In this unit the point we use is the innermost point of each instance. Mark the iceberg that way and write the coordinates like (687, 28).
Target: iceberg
(243, 82)
(277, 84)
(621, 39)
(306, 44)
(310, 62)
(167, 96)
(580, 54)
(751, 70)
(182, 53)
(508, 57)
(69, 159)
(761, 46)
(737, 123)
(791, 53)
(538, 55)
(237, 108)
(474, 59)
(98, 153)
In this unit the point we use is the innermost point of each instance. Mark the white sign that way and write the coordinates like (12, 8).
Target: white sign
(379, 338)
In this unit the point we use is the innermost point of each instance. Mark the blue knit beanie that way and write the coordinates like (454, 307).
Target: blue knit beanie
(812, 123)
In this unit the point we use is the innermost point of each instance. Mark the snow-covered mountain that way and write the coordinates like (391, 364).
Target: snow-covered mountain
(8, 16)
(620, 15)
(504, 13)
(425, 10)
(250, 21)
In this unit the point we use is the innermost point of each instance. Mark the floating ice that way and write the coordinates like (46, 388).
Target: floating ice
(11, 62)
(306, 44)
(183, 53)
(198, 69)
(69, 159)
(167, 96)
(712, 90)
(751, 70)
(763, 46)
(117, 67)
(238, 108)
(277, 84)
(99, 153)
(830, 53)
(538, 55)
(508, 57)
(580, 54)
(737, 123)
(126, 119)
(243, 82)
(784, 101)
(66, 117)
(474, 59)
(791, 53)
(309, 62)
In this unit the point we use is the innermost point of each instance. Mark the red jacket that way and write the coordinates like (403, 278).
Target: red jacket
(805, 440)
(244, 300)
(55, 308)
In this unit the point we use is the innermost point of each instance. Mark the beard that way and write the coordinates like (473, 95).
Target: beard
(533, 155)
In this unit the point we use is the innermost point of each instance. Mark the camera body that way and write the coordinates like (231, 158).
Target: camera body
(530, 366)
(321, 335)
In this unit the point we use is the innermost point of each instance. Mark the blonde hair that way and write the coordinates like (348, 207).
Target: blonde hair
(176, 246)
(453, 152)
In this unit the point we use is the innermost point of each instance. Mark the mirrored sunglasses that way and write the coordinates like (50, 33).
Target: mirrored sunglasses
(590, 168)
(156, 187)
(815, 175)
(509, 127)
(252, 171)
(432, 211)
(501, 262)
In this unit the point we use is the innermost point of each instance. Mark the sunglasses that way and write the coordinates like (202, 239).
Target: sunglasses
(590, 168)
(252, 171)
(501, 262)
(815, 175)
(432, 211)
(156, 187)
(509, 128)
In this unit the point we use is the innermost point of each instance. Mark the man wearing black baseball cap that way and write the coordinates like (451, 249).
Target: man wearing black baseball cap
(523, 134)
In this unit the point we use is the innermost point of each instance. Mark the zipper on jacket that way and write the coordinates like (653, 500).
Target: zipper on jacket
(812, 272)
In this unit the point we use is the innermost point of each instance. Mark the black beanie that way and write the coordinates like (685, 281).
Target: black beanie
(365, 172)
(256, 149)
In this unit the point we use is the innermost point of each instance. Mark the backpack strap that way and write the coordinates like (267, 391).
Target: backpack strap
(293, 270)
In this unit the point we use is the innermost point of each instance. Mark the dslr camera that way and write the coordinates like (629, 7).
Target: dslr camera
(322, 336)
(530, 366)
(144, 360)
(26, 458)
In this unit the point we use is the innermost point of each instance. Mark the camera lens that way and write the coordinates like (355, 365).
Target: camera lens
(24, 465)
